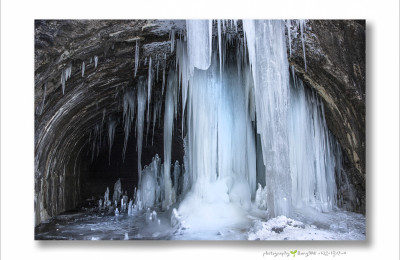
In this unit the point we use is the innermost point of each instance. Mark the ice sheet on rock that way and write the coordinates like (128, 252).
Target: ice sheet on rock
(313, 160)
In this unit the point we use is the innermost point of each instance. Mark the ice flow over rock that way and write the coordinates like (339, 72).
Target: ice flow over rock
(246, 119)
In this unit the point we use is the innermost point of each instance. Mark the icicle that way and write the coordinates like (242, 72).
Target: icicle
(96, 60)
(163, 80)
(141, 106)
(312, 156)
(168, 129)
(302, 25)
(163, 76)
(149, 83)
(65, 75)
(111, 132)
(63, 81)
(199, 42)
(104, 116)
(172, 40)
(268, 59)
(128, 114)
(219, 46)
(83, 68)
(158, 65)
(288, 25)
(136, 56)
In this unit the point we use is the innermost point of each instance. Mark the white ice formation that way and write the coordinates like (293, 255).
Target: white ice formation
(246, 119)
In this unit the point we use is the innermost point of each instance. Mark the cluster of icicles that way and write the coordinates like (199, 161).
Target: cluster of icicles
(254, 136)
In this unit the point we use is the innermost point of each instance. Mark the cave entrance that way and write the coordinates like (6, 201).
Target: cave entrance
(107, 166)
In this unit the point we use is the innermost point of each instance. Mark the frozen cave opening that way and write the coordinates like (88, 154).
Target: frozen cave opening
(219, 140)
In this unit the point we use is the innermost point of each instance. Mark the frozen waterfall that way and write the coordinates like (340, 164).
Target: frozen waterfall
(255, 137)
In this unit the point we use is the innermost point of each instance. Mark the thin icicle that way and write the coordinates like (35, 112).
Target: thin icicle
(158, 65)
(65, 75)
(302, 24)
(168, 129)
(163, 81)
(288, 25)
(149, 83)
(128, 115)
(63, 81)
(104, 116)
(96, 60)
(136, 56)
(111, 133)
(83, 68)
(172, 40)
(219, 46)
(141, 107)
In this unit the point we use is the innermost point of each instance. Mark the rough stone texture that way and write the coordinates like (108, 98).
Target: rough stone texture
(63, 121)
(335, 57)
(336, 66)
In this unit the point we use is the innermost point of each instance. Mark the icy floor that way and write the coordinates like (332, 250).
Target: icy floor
(90, 224)
(324, 226)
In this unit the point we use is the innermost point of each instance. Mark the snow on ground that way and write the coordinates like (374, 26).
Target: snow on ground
(342, 226)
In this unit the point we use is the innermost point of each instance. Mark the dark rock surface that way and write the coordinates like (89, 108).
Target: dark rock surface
(63, 121)
(335, 68)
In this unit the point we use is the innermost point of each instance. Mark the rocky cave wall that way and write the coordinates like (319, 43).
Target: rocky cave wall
(335, 54)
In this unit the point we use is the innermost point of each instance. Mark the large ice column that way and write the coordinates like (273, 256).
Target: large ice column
(312, 156)
(141, 107)
(168, 129)
(199, 43)
(266, 45)
(218, 123)
(202, 130)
